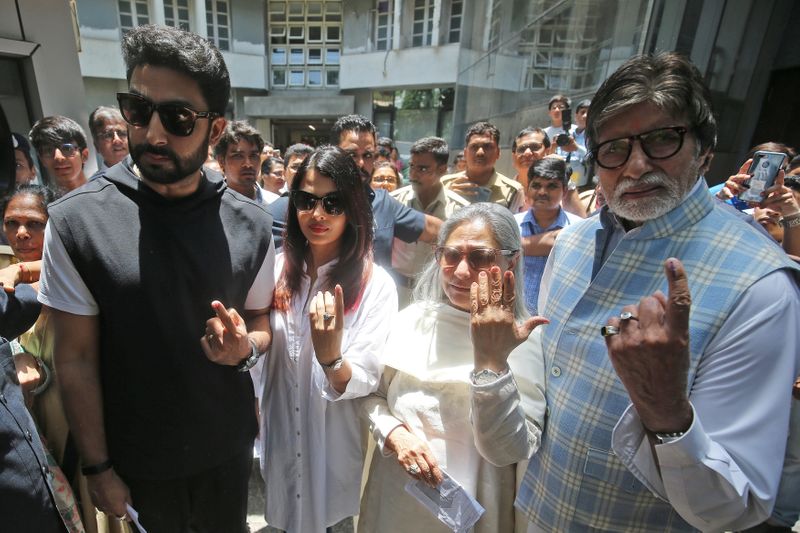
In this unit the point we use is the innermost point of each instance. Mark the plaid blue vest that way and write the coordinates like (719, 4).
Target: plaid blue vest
(575, 482)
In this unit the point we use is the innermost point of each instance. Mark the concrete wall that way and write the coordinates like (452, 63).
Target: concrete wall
(357, 23)
(40, 36)
(401, 68)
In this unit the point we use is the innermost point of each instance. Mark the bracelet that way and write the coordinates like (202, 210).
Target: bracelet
(791, 221)
(99, 468)
(47, 378)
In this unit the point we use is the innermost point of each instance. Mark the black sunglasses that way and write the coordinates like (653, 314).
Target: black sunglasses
(661, 143)
(177, 119)
(477, 258)
(304, 201)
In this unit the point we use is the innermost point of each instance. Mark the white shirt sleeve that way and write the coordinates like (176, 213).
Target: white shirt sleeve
(60, 285)
(376, 409)
(366, 340)
(723, 473)
(260, 294)
(507, 415)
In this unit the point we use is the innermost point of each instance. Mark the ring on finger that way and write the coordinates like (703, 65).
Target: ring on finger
(210, 337)
(609, 331)
(627, 315)
(122, 518)
(413, 470)
(327, 317)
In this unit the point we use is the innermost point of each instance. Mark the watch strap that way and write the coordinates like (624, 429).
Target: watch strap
(334, 365)
(251, 359)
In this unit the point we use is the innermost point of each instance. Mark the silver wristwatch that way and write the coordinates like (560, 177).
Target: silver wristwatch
(251, 360)
(334, 365)
(486, 376)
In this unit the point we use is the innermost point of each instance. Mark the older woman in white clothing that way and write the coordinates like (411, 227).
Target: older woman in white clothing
(448, 385)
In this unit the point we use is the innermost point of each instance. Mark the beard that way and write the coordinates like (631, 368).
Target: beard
(167, 174)
(672, 193)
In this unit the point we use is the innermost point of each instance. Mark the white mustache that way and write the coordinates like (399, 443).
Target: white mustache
(651, 179)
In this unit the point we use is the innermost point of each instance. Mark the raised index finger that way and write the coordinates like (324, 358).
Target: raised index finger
(338, 295)
(679, 300)
(224, 316)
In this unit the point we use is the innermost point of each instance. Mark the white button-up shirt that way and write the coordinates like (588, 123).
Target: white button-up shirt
(310, 440)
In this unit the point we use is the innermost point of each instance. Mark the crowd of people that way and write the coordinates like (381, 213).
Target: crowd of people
(598, 343)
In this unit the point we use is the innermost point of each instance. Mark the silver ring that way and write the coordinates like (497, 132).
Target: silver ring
(413, 470)
(210, 337)
(122, 518)
(608, 331)
(327, 317)
(627, 315)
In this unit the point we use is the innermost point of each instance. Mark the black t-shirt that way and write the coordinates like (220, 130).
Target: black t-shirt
(154, 265)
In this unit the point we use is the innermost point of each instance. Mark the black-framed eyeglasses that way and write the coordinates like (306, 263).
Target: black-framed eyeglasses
(477, 258)
(66, 149)
(177, 119)
(661, 143)
(332, 203)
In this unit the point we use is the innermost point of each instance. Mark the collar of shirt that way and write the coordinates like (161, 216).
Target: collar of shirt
(560, 221)
(435, 208)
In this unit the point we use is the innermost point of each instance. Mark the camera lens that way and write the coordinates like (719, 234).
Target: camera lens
(562, 139)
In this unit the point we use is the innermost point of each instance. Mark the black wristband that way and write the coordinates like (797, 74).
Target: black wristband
(99, 468)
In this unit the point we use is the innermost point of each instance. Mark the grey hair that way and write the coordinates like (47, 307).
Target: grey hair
(668, 80)
(505, 231)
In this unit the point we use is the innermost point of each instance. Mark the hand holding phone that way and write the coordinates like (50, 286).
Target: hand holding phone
(763, 171)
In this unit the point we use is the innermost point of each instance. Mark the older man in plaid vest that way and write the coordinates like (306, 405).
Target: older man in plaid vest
(673, 414)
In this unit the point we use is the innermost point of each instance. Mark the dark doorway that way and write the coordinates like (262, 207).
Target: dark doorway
(779, 120)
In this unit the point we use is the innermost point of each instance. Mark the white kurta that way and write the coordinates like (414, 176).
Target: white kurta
(426, 387)
(310, 446)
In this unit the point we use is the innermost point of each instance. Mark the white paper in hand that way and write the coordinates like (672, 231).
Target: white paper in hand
(448, 502)
(134, 516)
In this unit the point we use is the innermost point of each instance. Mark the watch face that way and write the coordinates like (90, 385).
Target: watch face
(484, 377)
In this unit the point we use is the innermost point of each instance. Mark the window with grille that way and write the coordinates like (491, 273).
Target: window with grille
(218, 23)
(176, 13)
(304, 43)
(132, 13)
(495, 18)
(422, 27)
(456, 15)
(384, 24)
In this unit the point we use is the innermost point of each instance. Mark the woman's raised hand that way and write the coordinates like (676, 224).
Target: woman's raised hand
(495, 333)
(326, 315)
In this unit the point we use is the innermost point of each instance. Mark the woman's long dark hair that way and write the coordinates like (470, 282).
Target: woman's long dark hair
(355, 253)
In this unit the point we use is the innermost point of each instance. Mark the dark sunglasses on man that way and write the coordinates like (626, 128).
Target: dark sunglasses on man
(177, 119)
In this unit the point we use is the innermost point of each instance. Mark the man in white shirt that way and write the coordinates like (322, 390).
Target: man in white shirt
(665, 416)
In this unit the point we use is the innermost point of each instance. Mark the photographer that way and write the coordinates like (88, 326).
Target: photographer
(563, 134)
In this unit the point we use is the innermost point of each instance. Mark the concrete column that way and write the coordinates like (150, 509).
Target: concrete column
(199, 23)
(437, 22)
(396, 26)
(157, 12)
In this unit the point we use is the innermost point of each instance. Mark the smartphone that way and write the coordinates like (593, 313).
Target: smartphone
(764, 169)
